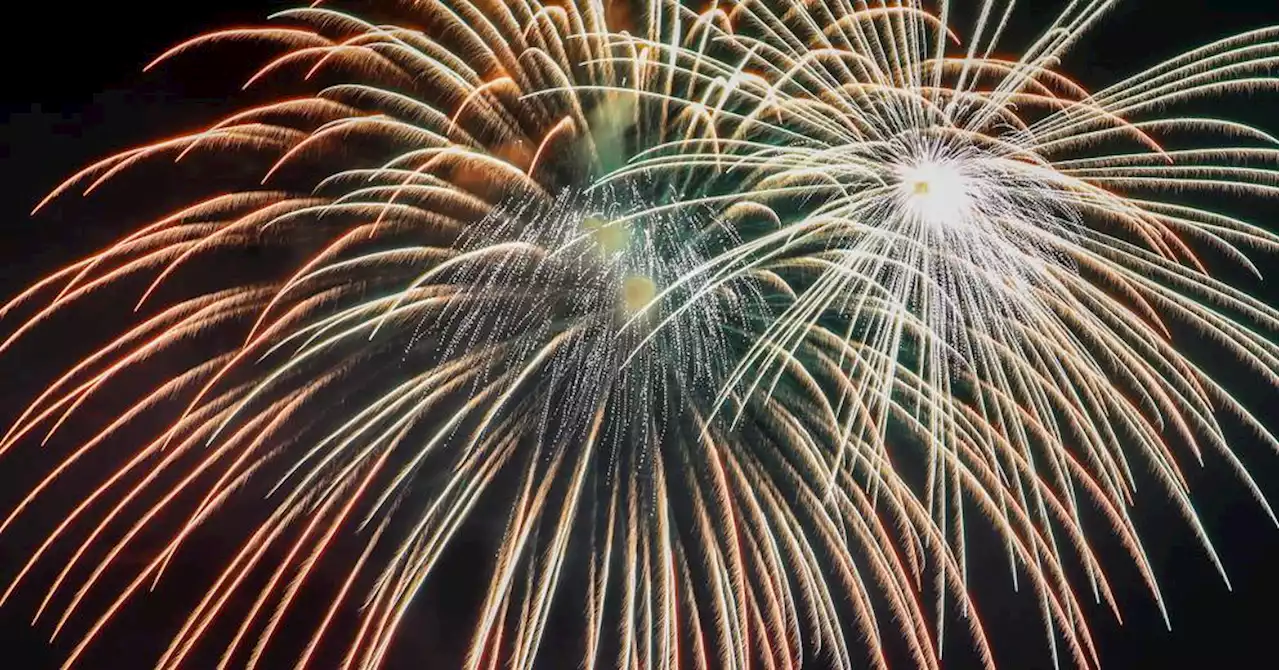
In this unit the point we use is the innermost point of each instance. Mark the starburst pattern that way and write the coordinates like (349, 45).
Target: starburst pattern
(738, 316)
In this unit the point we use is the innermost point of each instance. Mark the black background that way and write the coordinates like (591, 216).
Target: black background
(72, 90)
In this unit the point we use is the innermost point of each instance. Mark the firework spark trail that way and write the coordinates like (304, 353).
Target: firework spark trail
(741, 312)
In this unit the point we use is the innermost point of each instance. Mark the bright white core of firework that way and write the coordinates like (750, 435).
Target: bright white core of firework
(936, 192)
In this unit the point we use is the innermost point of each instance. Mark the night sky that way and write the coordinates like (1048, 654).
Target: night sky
(73, 91)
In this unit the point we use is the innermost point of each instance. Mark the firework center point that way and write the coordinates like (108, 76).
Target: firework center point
(637, 292)
(609, 236)
(936, 192)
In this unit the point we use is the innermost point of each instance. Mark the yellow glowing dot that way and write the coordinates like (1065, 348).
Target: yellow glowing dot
(638, 292)
(609, 236)
(921, 188)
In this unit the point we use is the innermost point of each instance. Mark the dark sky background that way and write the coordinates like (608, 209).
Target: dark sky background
(73, 91)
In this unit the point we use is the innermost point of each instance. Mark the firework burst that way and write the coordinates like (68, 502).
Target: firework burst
(738, 316)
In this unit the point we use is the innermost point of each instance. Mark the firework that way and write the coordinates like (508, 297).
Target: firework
(736, 317)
